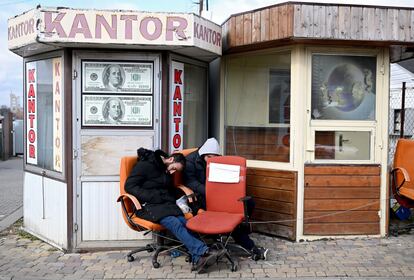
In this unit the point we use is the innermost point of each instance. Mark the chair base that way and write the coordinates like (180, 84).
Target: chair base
(395, 231)
(157, 247)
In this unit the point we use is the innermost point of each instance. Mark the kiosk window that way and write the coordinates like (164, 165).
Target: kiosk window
(258, 107)
(342, 145)
(44, 113)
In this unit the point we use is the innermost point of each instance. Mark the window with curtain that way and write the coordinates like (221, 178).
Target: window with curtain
(257, 104)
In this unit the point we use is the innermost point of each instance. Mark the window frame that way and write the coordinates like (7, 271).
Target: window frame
(265, 164)
(35, 169)
(344, 125)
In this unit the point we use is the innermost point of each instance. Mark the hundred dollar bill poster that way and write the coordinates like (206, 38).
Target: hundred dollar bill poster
(117, 77)
(110, 110)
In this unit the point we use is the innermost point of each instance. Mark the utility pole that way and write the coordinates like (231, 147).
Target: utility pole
(200, 9)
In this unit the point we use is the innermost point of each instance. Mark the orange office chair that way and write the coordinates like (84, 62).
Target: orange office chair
(130, 203)
(225, 205)
(402, 185)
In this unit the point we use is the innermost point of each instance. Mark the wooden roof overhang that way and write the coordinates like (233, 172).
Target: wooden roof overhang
(316, 23)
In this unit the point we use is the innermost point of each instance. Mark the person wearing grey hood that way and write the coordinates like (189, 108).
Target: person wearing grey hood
(195, 178)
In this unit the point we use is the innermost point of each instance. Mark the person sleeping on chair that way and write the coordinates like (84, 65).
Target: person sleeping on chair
(151, 183)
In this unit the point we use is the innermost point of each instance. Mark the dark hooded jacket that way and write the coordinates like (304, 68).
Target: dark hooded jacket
(150, 183)
(195, 176)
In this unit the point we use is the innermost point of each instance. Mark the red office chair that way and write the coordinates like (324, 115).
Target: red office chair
(225, 205)
(402, 185)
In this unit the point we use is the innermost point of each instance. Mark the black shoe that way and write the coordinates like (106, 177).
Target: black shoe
(207, 259)
(259, 253)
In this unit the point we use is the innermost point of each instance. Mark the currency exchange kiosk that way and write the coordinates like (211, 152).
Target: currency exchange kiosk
(98, 85)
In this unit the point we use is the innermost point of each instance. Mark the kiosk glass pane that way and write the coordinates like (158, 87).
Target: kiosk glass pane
(42, 131)
(343, 87)
(195, 105)
(258, 107)
(342, 145)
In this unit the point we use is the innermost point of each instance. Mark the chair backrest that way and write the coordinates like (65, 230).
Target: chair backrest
(225, 197)
(127, 164)
(404, 157)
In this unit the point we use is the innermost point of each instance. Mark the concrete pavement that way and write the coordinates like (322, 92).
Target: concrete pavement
(25, 257)
(11, 191)
(365, 258)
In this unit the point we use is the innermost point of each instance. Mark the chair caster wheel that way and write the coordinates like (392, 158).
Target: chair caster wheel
(130, 258)
(233, 268)
(156, 264)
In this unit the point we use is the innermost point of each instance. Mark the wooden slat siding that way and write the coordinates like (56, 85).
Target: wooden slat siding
(283, 21)
(342, 181)
(320, 21)
(380, 21)
(314, 217)
(331, 22)
(256, 31)
(276, 183)
(341, 200)
(335, 193)
(356, 23)
(342, 170)
(279, 206)
(307, 20)
(297, 21)
(310, 21)
(392, 17)
(247, 28)
(274, 192)
(232, 32)
(290, 15)
(239, 30)
(343, 228)
(344, 22)
(404, 24)
(274, 218)
(264, 25)
(341, 204)
(274, 23)
(273, 173)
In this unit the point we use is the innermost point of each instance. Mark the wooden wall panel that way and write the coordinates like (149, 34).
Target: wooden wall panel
(247, 28)
(321, 21)
(265, 25)
(274, 192)
(341, 199)
(256, 27)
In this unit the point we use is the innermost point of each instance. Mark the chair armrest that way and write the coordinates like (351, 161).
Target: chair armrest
(188, 192)
(244, 200)
(132, 198)
(403, 171)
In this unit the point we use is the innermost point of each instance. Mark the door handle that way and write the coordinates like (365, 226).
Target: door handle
(341, 142)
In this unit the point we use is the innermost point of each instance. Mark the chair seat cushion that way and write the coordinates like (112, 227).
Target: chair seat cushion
(147, 224)
(214, 222)
(407, 192)
(150, 225)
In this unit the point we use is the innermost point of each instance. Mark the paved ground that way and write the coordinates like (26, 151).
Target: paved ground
(23, 258)
(11, 191)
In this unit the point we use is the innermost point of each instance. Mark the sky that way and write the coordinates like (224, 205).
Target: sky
(11, 65)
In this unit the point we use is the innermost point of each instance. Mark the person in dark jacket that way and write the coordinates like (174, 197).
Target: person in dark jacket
(151, 183)
(195, 178)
